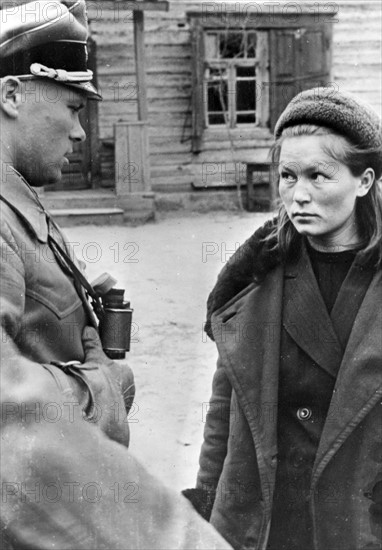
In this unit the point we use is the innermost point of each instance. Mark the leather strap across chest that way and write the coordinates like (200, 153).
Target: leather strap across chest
(57, 245)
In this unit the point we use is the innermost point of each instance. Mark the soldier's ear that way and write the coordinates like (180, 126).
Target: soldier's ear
(10, 89)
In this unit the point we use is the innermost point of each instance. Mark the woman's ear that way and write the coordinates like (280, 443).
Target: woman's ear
(366, 181)
(10, 93)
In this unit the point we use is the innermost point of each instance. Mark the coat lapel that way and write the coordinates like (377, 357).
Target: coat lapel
(359, 383)
(306, 318)
(349, 300)
(247, 333)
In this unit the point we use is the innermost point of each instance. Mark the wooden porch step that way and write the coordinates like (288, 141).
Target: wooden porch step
(98, 207)
(84, 199)
(69, 217)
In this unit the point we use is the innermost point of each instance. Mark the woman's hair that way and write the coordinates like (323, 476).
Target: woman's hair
(368, 208)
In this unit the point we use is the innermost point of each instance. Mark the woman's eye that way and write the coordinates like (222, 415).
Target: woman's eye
(319, 177)
(288, 177)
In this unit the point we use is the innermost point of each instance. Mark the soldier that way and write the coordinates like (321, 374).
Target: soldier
(68, 479)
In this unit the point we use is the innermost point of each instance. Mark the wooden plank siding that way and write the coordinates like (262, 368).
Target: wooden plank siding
(356, 67)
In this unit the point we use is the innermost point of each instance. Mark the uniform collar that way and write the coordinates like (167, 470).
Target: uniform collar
(23, 200)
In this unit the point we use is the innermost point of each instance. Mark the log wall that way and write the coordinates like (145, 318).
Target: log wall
(356, 67)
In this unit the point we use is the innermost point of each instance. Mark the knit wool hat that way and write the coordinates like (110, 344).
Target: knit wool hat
(343, 112)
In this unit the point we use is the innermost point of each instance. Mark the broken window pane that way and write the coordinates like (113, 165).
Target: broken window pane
(217, 96)
(232, 45)
(216, 74)
(251, 44)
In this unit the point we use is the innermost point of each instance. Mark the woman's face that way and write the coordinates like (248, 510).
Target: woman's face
(319, 193)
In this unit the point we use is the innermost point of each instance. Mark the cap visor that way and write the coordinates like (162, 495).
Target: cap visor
(85, 87)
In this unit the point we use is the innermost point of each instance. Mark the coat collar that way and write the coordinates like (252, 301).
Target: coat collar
(250, 264)
(23, 200)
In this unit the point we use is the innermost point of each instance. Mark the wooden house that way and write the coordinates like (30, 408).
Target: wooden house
(191, 91)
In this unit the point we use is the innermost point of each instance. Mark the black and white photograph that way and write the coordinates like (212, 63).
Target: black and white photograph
(191, 275)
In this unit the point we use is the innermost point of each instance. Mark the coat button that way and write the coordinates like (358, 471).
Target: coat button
(304, 413)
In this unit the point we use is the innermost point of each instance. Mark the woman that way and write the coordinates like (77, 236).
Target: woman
(292, 452)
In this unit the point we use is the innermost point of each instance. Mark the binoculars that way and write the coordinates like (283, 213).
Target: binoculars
(116, 319)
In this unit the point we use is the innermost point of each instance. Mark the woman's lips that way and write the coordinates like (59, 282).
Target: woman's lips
(303, 215)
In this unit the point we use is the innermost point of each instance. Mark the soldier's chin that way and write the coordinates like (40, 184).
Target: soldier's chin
(53, 176)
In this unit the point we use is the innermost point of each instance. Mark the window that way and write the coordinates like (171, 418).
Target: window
(247, 69)
(235, 71)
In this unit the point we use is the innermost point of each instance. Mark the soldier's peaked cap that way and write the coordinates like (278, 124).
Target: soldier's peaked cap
(46, 39)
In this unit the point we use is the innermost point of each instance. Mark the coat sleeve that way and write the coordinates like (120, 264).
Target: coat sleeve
(214, 448)
(12, 290)
(216, 431)
(65, 483)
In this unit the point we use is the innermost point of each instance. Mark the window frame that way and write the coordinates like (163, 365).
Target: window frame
(261, 79)
(288, 40)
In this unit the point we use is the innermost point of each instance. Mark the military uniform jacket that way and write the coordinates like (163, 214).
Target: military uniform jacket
(41, 310)
(239, 456)
(66, 483)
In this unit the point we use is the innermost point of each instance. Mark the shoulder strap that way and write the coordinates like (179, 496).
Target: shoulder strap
(67, 263)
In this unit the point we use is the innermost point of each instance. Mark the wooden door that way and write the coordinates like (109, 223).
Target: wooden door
(83, 171)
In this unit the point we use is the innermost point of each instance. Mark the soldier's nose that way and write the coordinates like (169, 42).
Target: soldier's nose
(78, 133)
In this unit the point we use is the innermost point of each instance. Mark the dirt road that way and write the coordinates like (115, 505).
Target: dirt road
(168, 268)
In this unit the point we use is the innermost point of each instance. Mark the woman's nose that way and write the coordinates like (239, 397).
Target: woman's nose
(301, 191)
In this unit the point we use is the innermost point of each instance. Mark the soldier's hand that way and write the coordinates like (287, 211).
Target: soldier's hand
(93, 347)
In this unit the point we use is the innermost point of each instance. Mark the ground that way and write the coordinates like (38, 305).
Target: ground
(168, 268)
